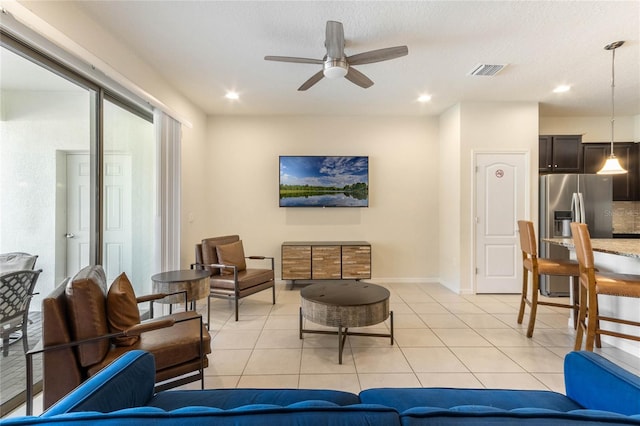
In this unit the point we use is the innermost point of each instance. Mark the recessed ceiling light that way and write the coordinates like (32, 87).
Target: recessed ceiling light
(232, 95)
(561, 89)
(424, 98)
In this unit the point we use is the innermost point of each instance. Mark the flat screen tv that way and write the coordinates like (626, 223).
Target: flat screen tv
(324, 181)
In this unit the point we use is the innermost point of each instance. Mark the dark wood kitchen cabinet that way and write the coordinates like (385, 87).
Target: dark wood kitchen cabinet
(560, 154)
(626, 187)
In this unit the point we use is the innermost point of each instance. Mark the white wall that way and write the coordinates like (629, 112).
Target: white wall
(33, 128)
(401, 221)
(593, 129)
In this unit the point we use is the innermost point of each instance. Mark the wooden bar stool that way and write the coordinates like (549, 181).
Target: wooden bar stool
(541, 266)
(594, 283)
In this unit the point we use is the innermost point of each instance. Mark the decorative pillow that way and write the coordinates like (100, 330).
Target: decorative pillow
(122, 309)
(209, 256)
(88, 318)
(10, 262)
(232, 255)
(95, 273)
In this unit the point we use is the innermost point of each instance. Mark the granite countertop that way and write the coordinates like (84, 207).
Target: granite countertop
(622, 246)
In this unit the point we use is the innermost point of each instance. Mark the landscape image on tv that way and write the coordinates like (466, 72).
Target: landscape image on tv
(324, 181)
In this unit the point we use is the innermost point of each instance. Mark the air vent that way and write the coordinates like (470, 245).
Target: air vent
(487, 70)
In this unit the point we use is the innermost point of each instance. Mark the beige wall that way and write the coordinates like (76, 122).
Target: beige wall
(593, 129)
(494, 126)
(481, 127)
(401, 221)
(449, 197)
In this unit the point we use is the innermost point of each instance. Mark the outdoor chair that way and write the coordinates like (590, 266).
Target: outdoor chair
(16, 291)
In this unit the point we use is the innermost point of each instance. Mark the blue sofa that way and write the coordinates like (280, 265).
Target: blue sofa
(598, 393)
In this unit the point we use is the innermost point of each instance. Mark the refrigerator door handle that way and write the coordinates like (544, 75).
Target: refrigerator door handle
(583, 216)
(575, 208)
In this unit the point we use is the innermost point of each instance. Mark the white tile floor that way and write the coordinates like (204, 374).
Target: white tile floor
(441, 340)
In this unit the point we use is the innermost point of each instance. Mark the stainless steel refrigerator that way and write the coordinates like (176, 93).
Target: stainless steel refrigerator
(566, 198)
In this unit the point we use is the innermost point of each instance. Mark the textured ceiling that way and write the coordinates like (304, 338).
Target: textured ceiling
(204, 48)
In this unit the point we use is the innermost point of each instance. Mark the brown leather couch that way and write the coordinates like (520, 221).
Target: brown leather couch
(82, 309)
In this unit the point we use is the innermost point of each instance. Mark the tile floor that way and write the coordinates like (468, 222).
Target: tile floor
(441, 339)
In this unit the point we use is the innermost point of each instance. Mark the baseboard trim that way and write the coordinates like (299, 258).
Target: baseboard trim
(379, 280)
(409, 280)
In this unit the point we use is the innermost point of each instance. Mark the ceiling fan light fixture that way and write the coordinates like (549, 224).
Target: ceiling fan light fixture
(232, 95)
(335, 68)
(336, 65)
(562, 88)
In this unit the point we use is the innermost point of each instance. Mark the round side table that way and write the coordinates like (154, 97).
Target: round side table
(194, 281)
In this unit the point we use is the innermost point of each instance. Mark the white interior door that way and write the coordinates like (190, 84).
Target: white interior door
(500, 184)
(78, 213)
(117, 219)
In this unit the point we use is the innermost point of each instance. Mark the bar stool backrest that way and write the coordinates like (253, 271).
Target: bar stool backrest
(582, 242)
(527, 237)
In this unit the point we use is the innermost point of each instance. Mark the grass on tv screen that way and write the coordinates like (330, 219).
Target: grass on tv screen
(324, 181)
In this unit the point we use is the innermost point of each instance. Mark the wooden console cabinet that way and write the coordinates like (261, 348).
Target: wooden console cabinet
(326, 260)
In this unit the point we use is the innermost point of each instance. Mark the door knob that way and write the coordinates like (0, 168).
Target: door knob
(69, 235)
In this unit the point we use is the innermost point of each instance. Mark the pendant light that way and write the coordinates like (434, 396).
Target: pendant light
(612, 165)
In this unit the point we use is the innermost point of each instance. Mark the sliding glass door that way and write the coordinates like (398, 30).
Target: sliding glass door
(44, 118)
(129, 193)
(77, 184)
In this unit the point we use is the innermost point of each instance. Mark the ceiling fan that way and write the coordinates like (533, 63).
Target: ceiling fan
(335, 64)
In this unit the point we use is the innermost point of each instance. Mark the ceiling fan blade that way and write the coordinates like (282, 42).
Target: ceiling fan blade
(292, 59)
(356, 77)
(313, 80)
(378, 55)
(335, 40)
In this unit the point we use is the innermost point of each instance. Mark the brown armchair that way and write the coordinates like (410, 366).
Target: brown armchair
(230, 278)
(84, 328)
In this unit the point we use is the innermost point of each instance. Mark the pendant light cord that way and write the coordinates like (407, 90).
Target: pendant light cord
(613, 85)
(612, 165)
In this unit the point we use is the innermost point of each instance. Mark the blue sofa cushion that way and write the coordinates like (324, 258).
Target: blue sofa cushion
(251, 415)
(404, 398)
(489, 416)
(597, 383)
(232, 398)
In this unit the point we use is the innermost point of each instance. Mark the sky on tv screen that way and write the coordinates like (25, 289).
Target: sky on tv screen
(324, 171)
